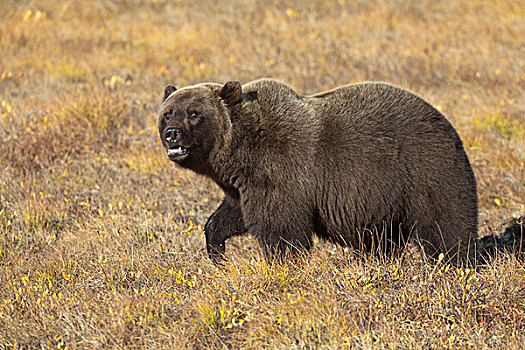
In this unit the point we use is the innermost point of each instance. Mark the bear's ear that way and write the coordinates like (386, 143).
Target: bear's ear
(168, 91)
(231, 92)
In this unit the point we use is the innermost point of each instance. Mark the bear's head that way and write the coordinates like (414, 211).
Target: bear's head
(195, 121)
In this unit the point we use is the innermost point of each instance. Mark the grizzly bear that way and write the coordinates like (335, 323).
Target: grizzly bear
(366, 165)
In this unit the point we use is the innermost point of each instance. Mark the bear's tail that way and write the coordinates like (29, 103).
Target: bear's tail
(511, 240)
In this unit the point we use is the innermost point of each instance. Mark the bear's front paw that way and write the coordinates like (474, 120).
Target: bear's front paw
(216, 252)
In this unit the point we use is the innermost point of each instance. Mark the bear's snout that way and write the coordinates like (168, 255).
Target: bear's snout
(172, 135)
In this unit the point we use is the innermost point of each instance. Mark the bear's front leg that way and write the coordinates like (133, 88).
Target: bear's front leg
(279, 246)
(282, 224)
(224, 223)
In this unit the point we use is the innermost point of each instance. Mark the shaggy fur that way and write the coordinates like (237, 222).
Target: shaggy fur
(365, 165)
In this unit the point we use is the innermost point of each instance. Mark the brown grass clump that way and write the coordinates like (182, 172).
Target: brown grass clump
(101, 242)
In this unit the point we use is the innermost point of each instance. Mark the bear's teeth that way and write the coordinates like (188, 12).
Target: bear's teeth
(175, 151)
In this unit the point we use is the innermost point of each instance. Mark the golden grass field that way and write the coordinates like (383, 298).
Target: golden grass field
(101, 237)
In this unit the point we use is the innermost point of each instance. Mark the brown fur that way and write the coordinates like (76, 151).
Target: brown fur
(364, 165)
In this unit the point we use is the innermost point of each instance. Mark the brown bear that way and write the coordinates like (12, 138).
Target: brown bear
(364, 165)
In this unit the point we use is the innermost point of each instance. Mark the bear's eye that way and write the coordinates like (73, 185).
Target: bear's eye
(193, 114)
(167, 115)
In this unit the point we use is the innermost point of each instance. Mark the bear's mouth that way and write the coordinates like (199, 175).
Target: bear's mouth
(177, 152)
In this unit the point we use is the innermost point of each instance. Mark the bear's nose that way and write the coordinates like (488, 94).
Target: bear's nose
(172, 135)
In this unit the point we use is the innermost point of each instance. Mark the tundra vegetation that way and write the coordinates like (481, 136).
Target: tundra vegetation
(101, 242)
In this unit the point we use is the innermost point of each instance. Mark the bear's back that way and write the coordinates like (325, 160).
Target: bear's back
(378, 121)
(379, 109)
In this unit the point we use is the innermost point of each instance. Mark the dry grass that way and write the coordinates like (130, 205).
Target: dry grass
(101, 242)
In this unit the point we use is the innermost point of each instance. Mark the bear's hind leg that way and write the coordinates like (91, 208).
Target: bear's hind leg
(395, 237)
(436, 239)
